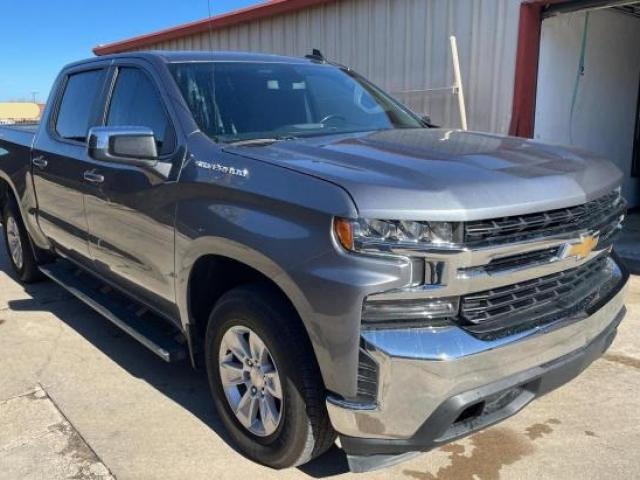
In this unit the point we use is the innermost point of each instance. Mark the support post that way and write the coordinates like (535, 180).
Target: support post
(458, 82)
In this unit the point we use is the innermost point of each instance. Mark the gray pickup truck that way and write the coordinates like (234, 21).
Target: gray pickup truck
(337, 265)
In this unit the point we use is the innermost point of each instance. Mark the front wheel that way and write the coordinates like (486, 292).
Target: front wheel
(264, 379)
(18, 244)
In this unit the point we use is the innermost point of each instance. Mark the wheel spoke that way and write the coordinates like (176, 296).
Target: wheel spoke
(232, 373)
(257, 348)
(247, 409)
(238, 345)
(268, 414)
(273, 384)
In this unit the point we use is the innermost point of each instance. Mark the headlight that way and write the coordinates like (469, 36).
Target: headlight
(364, 234)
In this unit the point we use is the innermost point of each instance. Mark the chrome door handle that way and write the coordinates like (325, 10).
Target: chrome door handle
(39, 162)
(92, 177)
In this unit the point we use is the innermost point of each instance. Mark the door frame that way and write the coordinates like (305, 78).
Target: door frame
(164, 308)
(532, 12)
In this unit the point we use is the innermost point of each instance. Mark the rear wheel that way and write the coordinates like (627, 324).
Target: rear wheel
(264, 379)
(18, 244)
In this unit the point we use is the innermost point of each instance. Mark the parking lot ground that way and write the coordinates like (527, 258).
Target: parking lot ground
(36, 441)
(80, 399)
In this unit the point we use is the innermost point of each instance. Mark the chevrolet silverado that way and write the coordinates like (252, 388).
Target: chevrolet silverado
(338, 266)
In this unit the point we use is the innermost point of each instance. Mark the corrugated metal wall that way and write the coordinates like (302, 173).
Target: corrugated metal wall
(400, 45)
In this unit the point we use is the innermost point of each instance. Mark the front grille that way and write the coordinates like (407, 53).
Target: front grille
(522, 260)
(544, 294)
(509, 229)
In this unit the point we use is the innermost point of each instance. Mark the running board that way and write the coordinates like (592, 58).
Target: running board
(147, 328)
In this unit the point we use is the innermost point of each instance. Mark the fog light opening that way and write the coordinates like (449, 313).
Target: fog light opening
(418, 312)
(471, 412)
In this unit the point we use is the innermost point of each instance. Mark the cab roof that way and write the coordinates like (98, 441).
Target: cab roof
(171, 56)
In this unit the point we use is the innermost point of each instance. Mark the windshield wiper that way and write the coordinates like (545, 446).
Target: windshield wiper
(253, 142)
(258, 142)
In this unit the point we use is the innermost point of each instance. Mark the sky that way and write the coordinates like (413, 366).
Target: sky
(38, 37)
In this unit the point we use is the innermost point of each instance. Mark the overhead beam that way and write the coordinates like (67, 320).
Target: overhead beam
(580, 5)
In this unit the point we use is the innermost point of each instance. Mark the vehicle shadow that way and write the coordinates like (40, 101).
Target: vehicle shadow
(178, 381)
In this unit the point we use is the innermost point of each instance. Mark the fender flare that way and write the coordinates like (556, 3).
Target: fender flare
(226, 248)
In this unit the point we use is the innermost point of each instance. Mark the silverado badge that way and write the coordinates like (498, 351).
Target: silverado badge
(216, 167)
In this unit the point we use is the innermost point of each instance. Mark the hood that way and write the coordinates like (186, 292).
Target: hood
(435, 174)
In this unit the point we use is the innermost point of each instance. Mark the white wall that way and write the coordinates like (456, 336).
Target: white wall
(400, 45)
(605, 107)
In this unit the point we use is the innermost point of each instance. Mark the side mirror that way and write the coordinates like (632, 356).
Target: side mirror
(130, 145)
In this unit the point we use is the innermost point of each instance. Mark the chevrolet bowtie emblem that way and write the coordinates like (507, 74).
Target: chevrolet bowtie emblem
(582, 249)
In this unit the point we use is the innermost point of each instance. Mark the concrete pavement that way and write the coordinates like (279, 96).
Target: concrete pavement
(127, 414)
(36, 441)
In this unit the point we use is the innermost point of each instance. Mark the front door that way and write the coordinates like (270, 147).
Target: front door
(131, 209)
(60, 160)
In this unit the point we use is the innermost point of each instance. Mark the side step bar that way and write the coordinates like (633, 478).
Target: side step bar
(147, 328)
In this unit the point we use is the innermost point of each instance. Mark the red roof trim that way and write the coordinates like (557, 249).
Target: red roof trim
(255, 12)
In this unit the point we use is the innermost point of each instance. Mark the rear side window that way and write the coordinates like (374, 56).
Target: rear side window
(136, 103)
(76, 108)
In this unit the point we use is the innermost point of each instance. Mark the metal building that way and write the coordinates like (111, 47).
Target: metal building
(401, 45)
(566, 71)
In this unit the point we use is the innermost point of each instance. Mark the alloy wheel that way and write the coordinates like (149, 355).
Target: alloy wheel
(251, 381)
(15, 243)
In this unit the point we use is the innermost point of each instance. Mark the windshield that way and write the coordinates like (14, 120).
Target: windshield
(233, 101)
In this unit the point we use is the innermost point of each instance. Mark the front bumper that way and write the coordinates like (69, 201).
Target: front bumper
(436, 385)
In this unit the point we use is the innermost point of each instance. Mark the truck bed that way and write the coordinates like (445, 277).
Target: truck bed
(15, 150)
(21, 135)
(26, 127)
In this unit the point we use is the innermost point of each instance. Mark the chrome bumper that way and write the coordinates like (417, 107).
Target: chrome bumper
(422, 368)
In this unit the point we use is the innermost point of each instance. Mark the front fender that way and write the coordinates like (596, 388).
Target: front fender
(326, 290)
(273, 237)
(278, 222)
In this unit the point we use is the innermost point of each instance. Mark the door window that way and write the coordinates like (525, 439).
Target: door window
(136, 103)
(76, 107)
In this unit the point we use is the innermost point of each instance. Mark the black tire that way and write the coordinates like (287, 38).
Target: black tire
(304, 431)
(28, 271)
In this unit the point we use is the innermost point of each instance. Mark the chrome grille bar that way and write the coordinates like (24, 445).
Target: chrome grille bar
(491, 305)
(510, 229)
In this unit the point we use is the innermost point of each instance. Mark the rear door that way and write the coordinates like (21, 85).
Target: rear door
(60, 159)
(131, 212)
